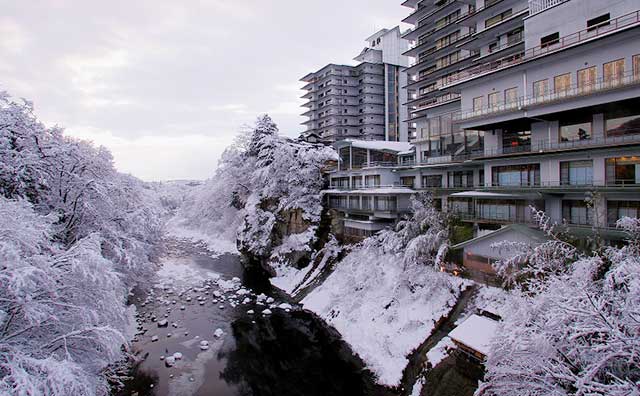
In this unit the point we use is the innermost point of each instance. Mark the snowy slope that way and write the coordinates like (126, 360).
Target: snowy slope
(382, 309)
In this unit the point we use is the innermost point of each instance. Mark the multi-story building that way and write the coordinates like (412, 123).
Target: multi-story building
(363, 101)
(539, 106)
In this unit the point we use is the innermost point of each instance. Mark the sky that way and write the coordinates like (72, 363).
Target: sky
(166, 85)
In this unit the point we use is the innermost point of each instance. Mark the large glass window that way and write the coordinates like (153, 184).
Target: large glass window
(623, 170)
(622, 123)
(461, 179)
(587, 79)
(408, 181)
(577, 212)
(576, 173)
(475, 141)
(432, 181)
(359, 157)
(540, 88)
(516, 141)
(619, 209)
(614, 72)
(356, 182)
(511, 96)
(354, 202)
(562, 83)
(345, 158)
(372, 181)
(386, 204)
(494, 99)
(516, 175)
(571, 131)
(498, 18)
(340, 182)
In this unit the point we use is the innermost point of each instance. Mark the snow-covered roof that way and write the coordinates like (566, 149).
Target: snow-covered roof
(532, 233)
(476, 333)
(380, 145)
(408, 152)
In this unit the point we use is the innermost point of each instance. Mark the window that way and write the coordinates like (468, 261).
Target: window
(493, 99)
(623, 170)
(624, 122)
(516, 175)
(562, 83)
(493, 47)
(636, 67)
(432, 181)
(576, 173)
(595, 23)
(540, 88)
(577, 212)
(372, 181)
(461, 179)
(498, 18)
(587, 79)
(478, 103)
(572, 131)
(515, 36)
(386, 204)
(408, 181)
(359, 157)
(619, 209)
(354, 202)
(345, 158)
(614, 72)
(356, 181)
(516, 141)
(511, 96)
(340, 182)
(549, 40)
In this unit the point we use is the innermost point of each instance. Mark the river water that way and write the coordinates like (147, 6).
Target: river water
(210, 300)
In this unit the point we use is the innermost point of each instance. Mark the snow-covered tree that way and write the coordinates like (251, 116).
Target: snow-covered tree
(572, 326)
(74, 233)
(421, 237)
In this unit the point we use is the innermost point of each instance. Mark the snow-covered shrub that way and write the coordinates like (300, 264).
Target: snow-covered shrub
(421, 238)
(573, 327)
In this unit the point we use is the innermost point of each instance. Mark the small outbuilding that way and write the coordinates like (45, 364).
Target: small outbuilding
(473, 337)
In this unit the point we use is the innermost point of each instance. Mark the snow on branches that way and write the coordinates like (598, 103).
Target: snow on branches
(74, 233)
(572, 327)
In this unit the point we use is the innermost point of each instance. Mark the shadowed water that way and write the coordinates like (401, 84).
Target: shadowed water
(287, 352)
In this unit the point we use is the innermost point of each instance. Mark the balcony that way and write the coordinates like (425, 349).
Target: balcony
(572, 40)
(434, 102)
(574, 91)
(537, 6)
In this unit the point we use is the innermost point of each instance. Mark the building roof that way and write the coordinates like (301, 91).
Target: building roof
(379, 145)
(366, 191)
(532, 233)
(476, 333)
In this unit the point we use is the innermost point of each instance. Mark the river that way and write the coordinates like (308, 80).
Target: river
(226, 343)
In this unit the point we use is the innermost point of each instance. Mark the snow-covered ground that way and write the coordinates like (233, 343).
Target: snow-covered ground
(218, 243)
(382, 309)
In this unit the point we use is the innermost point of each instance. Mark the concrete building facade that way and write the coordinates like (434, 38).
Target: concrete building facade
(514, 104)
(365, 101)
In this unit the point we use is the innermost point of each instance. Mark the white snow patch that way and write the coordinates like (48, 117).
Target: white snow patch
(397, 306)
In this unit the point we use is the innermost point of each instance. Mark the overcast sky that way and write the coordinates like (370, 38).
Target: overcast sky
(167, 84)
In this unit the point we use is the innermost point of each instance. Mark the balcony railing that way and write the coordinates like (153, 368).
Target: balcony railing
(574, 91)
(573, 39)
(536, 6)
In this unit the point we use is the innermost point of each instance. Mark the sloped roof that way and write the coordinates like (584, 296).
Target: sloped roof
(379, 145)
(532, 233)
(476, 333)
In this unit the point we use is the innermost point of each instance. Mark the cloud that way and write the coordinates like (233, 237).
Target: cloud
(156, 73)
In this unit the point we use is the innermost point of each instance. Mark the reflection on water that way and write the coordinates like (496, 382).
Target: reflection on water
(284, 353)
